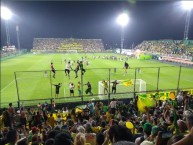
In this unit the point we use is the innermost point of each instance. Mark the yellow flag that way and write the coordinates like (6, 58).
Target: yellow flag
(127, 82)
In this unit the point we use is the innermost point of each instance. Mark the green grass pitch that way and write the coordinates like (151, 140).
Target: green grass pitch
(33, 84)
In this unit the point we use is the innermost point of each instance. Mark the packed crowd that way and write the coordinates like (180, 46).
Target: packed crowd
(7, 51)
(164, 47)
(58, 43)
(168, 122)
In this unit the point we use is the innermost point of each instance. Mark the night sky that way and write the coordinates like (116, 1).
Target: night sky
(95, 20)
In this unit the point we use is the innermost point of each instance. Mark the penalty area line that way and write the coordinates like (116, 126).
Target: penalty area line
(7, 86)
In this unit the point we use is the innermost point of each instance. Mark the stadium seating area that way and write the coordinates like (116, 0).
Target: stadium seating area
(167, 47)
(65, 44)
(166, 122)
(5, 53)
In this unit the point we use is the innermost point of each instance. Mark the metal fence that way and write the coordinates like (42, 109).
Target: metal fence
(35, 87)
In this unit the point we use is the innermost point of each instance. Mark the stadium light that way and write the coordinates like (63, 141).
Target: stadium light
(187, 5)
(6, 14)
(122, 20)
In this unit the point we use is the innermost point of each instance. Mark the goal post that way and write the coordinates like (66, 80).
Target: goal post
(140, 86)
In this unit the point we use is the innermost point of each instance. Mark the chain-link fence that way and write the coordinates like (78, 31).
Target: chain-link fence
(33, 87)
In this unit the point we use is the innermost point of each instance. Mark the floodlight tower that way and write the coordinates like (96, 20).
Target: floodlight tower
(188, 5)
(122, 20)
(6, 14)
(18, 41)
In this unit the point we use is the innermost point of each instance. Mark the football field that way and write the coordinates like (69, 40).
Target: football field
(34, 79)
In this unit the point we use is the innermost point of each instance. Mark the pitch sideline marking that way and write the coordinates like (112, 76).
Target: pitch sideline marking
(7, 86)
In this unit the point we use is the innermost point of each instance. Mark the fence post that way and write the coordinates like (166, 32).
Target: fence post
(179, 78)
(158, 78)
(135, 82)
(109, 96)
(17, 90)
(82, 87)
(51, 83)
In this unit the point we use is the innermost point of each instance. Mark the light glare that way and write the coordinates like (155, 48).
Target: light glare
(123, 19)
(188, 5)
(6, 13)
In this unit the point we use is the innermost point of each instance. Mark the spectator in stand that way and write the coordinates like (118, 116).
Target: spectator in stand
(119, 135)
(6, 118)
(63, 137)
(23, 117)
(51, 120)
(80, 139)
(29, 117)
(11, 112)
(12, 137)
(112, 106)
(90, 136)
(59, 121)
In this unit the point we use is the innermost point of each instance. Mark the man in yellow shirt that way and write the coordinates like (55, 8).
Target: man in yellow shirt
(51, 120)
(105, 87)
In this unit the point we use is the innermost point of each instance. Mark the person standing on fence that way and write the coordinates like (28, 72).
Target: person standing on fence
(77, 69)
(126, 66)
(71, 85)
(79, 89)
(114, 87)
(67, 70)
(53, 70)
(57, 89)
(89, 89)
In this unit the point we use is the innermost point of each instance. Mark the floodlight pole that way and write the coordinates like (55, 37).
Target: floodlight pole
(18, 41)
(122, 39)
(187, 24)
(7, 32)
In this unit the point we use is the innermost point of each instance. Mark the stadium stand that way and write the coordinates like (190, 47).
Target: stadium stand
(166, 122)
(167, 47)
(7, 51)
(177, 51)
(67, 45)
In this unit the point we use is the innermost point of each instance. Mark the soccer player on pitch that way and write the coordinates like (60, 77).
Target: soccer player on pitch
(52, 69)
